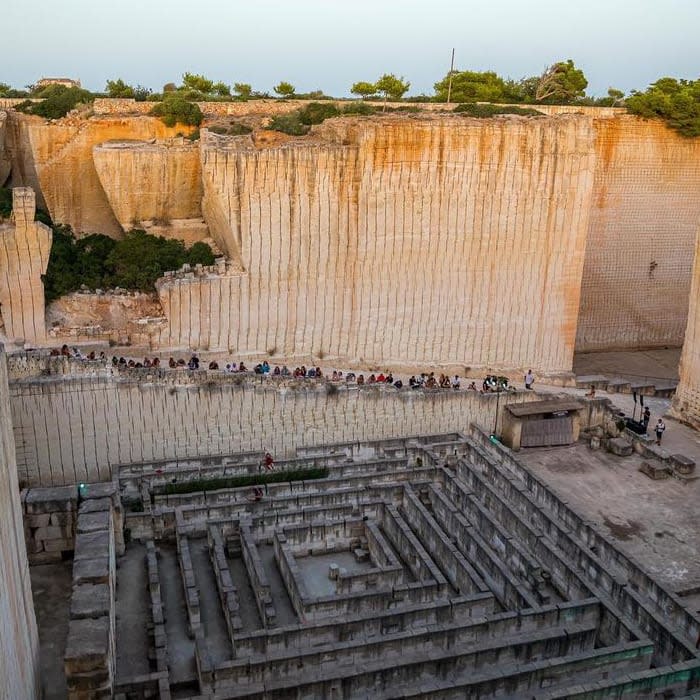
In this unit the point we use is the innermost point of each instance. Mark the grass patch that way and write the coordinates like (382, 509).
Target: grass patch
(234, 482)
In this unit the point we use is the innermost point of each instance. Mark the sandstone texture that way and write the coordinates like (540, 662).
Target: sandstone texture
(55, 158)
(444, 240)
(25, 245)
(158, 183)
(394, 239)
(81, 428)
(5, 165)
(102, 310)
(686, 403)
(19, 642)
(645, 212)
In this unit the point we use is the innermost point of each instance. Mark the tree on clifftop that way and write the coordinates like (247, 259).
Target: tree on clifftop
(285, 89)
(243, 90)
(391, 86)
(198, 83)
(118, 88)
(561, 82)
(177, 110)
(472, 86)
(677, 102)
(363, 89)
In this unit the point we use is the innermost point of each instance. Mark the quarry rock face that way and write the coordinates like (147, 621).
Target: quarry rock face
(25, 245)
(444, 240)
(19, 641)
(55, 158)
(159, 183)
(402, 239)
(644, 215)
(686, 402)
(5, 165)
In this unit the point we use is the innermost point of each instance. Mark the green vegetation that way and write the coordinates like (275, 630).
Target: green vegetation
(8, 91)
(677, 102)
(234, 129)
(483, 111)
(470, 86)
(299, 122)
(364, 89)
(177, 110)
(99, 262)
(232, 482)
(243, 90)
(57, 101)
(5, 202)
(118, 88)
(285, 89)
(389, 86)
(561, 82)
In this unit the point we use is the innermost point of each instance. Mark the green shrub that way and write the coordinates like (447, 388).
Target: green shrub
(98, 261)
(483, 111)
(5, 202)
(359, 108)
(232, 482)
(176, 110)
(677, 102)
(57, 101)
(236, 129)
(289, 124)
(317, 112)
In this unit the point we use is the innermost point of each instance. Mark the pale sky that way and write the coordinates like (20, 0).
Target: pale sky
(328, 45)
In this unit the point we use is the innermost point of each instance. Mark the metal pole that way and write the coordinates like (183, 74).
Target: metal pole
(495, 424)
(449, 83)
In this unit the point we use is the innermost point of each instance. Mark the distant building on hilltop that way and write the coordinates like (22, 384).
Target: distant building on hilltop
(66, 82)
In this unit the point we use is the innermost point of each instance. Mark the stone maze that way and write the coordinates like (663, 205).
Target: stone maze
(433, 566)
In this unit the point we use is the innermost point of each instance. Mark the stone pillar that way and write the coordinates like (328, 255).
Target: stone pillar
(25, 245)
(19, 642)
(686, 403)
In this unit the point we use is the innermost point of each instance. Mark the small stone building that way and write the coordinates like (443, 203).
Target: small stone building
(542, 423)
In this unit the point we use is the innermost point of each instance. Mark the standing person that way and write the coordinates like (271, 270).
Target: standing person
(659, 430)
(646, 417)
(529, 379)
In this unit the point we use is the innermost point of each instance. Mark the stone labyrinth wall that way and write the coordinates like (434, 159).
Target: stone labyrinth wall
(427, 567)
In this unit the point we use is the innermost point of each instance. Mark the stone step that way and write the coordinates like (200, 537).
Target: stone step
(597, 380)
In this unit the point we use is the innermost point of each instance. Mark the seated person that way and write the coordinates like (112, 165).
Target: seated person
(591, 394)
(381, 378)
(242, 367)
(266, 367)
(285, 371)
(350, 377)
(361, 379)
(456, 383)
(276, 372)
(213, 365)
(398, 383)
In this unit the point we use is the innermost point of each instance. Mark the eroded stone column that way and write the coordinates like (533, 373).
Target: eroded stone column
(25, 245)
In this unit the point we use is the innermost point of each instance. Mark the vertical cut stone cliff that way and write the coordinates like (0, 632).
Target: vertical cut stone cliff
(686, 403)
(402, 240)
(644, 215)
(55, 158)
(5, 166)
(153, 184)
(25, 245)
(19, 641)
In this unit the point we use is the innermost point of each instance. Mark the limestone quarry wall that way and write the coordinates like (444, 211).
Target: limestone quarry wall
(157, 183)
(686, 402)
(405, 241)
(25, 245)
(77, 429)
(645, 212)
(19, 642)
(5, 165)
(55, 158)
